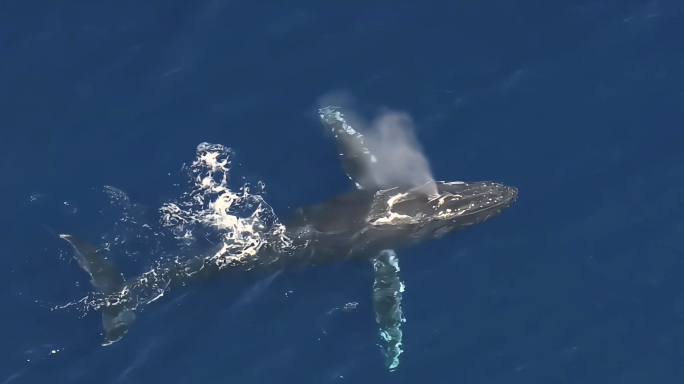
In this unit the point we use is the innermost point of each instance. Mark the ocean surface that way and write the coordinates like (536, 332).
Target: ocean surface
(577, 103)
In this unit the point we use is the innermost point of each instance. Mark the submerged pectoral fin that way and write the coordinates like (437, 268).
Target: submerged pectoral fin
(387, 292)
(116, 318)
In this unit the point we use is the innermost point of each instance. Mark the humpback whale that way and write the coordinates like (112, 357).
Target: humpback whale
(367, 223)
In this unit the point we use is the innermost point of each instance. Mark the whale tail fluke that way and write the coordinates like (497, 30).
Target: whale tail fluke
(116, 318)
(116, 321)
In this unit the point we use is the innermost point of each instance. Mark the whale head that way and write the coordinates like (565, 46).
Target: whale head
(362, 222)
(456, 204)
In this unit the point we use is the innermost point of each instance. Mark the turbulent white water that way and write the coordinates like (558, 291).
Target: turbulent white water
(242, 219)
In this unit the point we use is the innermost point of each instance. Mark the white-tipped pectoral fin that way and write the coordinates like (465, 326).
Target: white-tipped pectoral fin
(357, 160)
(387, 293)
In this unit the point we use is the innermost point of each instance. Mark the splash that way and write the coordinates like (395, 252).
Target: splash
(243, 221)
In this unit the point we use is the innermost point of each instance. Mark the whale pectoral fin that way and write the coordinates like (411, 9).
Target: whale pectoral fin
(387, 292)
(116, 318)
(356, 158)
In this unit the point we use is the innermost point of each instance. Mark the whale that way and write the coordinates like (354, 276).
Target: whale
(368, 223)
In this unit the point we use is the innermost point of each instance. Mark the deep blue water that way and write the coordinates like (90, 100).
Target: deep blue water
(576, 103)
